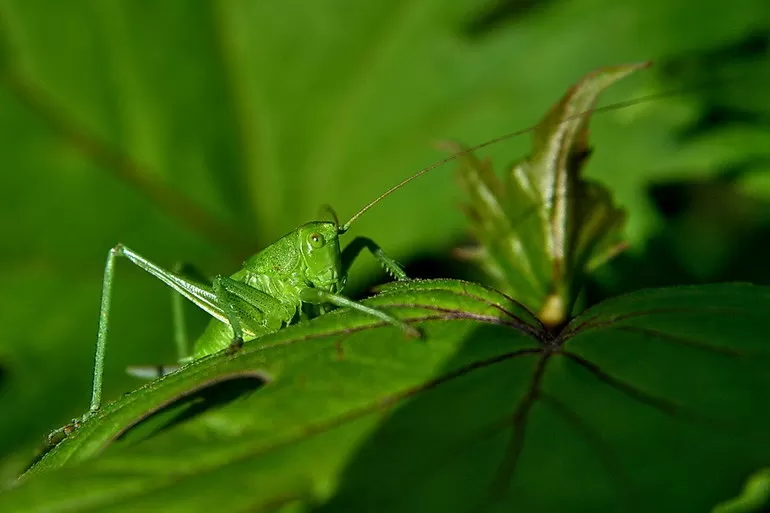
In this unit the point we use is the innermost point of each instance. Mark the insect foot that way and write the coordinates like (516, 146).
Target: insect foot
(56, 436)
(412, 332)
(234, 346)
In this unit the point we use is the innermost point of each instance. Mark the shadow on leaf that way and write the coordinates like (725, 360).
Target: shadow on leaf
(3, 377)
(545, 430)
(184, 409)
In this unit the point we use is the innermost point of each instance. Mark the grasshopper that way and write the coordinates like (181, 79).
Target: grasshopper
(300, 273)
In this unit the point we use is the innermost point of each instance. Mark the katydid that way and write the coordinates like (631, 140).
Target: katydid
(299, 273)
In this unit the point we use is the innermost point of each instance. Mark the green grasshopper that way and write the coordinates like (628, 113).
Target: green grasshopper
(300, 273)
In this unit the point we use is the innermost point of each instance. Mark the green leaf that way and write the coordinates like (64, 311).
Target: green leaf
(653, 401)
(544, 227)
(433, 300)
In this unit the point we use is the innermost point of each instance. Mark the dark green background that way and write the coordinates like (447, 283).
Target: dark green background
(201, 131)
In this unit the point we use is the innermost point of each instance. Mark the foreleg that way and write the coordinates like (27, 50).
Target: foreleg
(352, 250)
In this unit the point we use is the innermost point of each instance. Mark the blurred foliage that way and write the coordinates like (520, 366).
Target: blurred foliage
(754, 498)
(203, 131)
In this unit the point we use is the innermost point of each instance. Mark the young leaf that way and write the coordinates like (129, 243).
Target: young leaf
(544, 227)
(655, 401)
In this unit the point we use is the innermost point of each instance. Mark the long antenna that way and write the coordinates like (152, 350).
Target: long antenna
(606, 108)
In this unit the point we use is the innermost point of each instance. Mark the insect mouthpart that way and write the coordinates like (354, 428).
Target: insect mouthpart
(327, 280)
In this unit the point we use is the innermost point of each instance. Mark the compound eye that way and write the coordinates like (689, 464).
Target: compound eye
(316, 240)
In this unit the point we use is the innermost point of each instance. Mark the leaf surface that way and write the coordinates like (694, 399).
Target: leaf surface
(487, 413)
